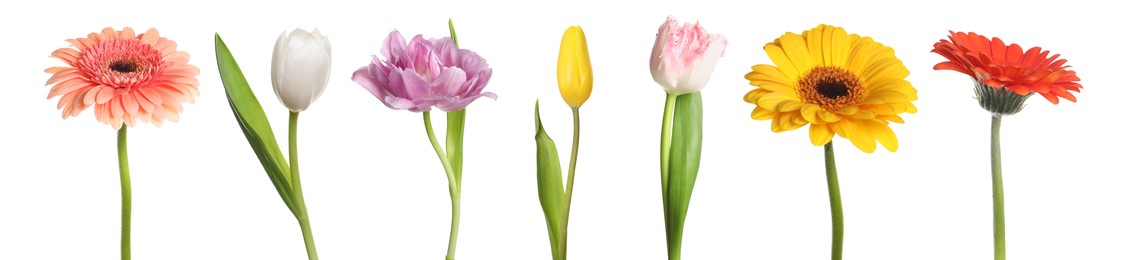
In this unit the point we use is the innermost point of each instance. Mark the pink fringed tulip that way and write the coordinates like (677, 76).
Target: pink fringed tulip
(684, 56)
(425, 73)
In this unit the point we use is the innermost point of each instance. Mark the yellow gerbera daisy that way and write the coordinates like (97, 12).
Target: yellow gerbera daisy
(838, 83)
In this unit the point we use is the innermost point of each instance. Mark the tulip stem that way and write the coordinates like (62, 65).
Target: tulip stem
(997, 190)
(835, 202)
(297, 187)
(569, 186)
(124, 173)
(453, 189)
(667, 140)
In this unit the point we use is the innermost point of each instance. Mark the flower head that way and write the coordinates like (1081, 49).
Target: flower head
(300, 68)
(684, 56)
(126, 77)
(576, 80)
(838, 83)
(997, 65)
(425, 73)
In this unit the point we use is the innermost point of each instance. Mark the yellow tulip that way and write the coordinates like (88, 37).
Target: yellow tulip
(575, 78)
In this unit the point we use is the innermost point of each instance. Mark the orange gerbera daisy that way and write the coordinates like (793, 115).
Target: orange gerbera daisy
(996, 64)
(126, 77)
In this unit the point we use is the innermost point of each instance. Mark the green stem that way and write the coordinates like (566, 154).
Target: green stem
(835, 202)
(297, 187)
(666, 147)
(997, 190)
(124, 172)
(667, 139)
(569, 186)
(453, 189)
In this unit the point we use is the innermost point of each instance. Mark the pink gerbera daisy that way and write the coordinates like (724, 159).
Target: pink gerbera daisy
(126, 77)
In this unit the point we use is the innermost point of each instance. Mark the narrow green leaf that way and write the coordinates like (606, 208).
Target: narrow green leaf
(452, 32)
(550, 178)
(454, 142)
(684, 163)
(254, 123)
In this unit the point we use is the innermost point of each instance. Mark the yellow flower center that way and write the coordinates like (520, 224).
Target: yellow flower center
(831, 88)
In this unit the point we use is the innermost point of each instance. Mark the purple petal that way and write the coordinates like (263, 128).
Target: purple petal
(411, 84)
(477, 83)
(376, 87)
(472, 62)
(447, 51)
(449, 83)
(451, 105)
(394, 45)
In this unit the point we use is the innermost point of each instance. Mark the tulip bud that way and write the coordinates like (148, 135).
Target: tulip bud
(684, 56)
(575, 78)
(300, 68)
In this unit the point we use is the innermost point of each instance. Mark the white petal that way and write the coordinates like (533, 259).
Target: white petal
(697, 74)
(305, 71)
(278, 56)
(657, 61)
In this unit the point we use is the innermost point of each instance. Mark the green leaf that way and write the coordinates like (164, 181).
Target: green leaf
(454, 142)
(550, 177)
(254, 123)
(684, 162)
(452, 32)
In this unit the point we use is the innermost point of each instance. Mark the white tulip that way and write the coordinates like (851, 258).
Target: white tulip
(300, 68)
(684, 56)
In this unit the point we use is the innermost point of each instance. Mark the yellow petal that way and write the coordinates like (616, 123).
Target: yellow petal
(828, 117)
(862, 137)
(820, 134)
(770, 78)
(789, 106)
(574, 72)
(754, 95)
(885, 97)
(761, 114)
(848, 110)
(864, 114)
(777, 123)
(899, 85)
(796, 49)
(773, 99)
(885, 135)
(779, 57)
(827, 48)
(813, 38)
(841, 44)
(882, 109)
(892, 118)
(810, 112)
(861, 54)
(842, 128)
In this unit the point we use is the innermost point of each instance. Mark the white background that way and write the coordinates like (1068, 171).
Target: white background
(375, 189)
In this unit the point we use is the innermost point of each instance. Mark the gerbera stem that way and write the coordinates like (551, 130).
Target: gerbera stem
(453, 189)
(304, 220)
(569, 187)
(997, 190)
(835, 203)
(124, 173)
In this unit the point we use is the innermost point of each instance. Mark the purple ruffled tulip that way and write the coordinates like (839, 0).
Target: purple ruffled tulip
(425, 73)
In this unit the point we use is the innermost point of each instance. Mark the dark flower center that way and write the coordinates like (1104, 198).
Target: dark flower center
(124, 66)
(831, 88)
